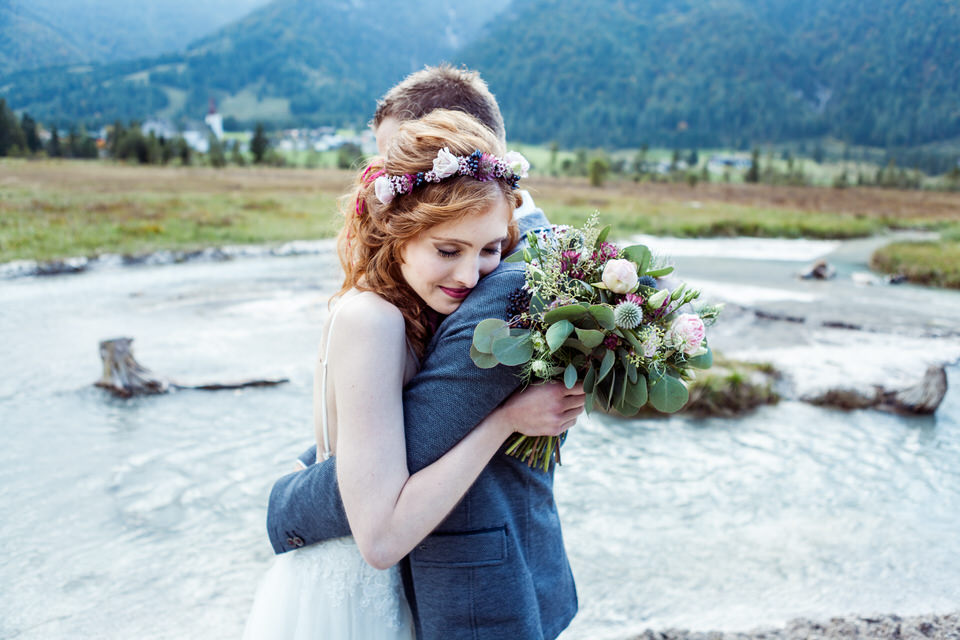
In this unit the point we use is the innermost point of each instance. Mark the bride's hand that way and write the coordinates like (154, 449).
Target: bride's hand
(544, 409)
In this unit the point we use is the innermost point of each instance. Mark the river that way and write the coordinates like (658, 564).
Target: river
(145, 518)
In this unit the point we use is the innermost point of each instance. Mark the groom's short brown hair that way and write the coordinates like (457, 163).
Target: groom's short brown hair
(441, 87)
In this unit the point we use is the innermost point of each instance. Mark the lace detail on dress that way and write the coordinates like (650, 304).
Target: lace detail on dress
(328, 591)
(339, 565)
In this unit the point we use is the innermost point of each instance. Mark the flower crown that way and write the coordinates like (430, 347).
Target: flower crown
(480, 165)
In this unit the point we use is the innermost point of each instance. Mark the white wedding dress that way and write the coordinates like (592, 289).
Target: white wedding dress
(327, 591)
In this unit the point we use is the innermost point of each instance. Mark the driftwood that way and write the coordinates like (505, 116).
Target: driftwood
(123, 376)
(920, 399)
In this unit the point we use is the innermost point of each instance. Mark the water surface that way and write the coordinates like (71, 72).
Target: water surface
(145, 518)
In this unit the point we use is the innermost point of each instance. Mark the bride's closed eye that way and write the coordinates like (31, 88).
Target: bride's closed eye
(489, 251)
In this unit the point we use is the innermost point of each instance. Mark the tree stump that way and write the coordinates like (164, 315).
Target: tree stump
(922, 398)
(124, 377)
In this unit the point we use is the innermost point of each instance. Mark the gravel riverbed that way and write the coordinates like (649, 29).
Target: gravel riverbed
(879, 627)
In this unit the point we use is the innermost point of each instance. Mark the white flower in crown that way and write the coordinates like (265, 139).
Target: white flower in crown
(445, 164)
(384, 189)
(517, 163)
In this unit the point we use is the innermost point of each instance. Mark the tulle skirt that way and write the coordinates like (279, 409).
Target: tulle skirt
(328, 592)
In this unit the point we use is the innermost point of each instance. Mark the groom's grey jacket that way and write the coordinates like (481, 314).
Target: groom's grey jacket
(496, 567)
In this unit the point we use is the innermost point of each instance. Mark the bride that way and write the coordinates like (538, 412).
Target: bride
(422, 226)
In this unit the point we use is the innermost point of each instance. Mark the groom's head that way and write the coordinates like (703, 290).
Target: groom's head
(441, 87)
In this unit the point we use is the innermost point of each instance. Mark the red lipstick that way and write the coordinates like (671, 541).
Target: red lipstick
(456, 294)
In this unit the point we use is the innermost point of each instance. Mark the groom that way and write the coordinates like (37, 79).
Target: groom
(496, 567)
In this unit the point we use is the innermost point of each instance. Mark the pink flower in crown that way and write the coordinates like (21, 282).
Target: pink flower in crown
(445, 164)
(383, 187)
(634, 298)
(687, 333)
(517, 163)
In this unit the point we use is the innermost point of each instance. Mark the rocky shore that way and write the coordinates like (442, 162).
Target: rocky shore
(878, 627)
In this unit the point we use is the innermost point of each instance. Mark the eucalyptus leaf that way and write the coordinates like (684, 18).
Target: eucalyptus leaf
(483, 360)
(557, 333)
(637, 392)
(703, 361)
(537, 304)
(487, 332)
(668, 394)
(604, 316)
(628, 366)
(513, 351)
(601, 237)
(633, 340)
(568, 312)
(610, 390)
(517, 256)
(573, 343)
(590, 338)
(570, 376)
(586, 288)
(588, 404)
(590, 380)
(638, 254)
(606, 365)
(659, 273)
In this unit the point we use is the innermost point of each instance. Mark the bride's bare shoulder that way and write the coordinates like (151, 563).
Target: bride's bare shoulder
(367, 316)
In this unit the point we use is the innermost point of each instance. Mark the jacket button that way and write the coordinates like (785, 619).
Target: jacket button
(290, 542)
(297, 541)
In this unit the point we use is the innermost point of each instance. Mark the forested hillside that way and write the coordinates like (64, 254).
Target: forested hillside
(688, 73)
(40, 33)
(289, 62)
(692, 73)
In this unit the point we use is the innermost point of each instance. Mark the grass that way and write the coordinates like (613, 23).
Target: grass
(56, 209)
(929, 263)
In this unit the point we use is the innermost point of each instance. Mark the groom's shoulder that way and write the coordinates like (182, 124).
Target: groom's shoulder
(493, 290)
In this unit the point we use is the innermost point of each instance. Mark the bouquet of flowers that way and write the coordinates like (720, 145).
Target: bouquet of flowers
(591, 311)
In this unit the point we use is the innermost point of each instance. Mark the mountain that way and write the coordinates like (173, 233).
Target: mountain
(697, 73)
(615, 73)
(290, 61)
(41, 33)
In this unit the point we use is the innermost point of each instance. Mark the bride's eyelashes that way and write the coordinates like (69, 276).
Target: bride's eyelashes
(490, 251)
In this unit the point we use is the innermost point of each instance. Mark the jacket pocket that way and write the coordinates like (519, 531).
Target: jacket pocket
(479, 548)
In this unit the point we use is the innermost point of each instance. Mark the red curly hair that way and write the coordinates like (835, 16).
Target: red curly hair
(370, 244)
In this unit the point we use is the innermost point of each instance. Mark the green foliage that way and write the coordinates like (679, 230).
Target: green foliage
(259, 144)
(753, 173)
(349, 156)
(217, 158)
(598, 169)
(930, 263)
(12, 139)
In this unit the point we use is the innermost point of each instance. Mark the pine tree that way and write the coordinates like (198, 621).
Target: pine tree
(259, 144)
(54, 150)
(753, 173)
(32, 138)
(12, 140)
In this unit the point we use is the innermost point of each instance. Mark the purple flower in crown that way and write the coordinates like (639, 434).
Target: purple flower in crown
(486, 167)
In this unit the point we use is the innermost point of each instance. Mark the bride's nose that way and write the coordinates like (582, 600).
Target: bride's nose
(468, 271)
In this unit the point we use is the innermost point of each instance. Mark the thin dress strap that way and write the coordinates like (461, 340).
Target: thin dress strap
(323, 384)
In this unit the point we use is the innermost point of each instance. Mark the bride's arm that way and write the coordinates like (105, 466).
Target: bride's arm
(389, 510)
